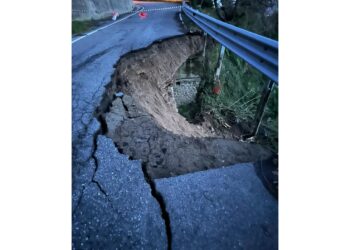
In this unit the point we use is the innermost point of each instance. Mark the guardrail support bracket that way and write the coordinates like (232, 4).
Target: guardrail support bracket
(261, 108)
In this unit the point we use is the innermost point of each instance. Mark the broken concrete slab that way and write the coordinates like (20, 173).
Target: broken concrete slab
(117, 209)
(133, 110)
(115, 116)
(226, 208)
(166, 154)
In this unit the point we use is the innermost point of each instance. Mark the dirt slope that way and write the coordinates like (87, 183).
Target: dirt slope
(146, 76)
(145, 125)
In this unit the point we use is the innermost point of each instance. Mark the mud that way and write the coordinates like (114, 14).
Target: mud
(144, 122)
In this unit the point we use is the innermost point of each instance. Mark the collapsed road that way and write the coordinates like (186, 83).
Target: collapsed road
(144, 122)
(117, 203)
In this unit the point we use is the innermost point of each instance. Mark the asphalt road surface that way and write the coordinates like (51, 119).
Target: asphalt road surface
(112, 204)
(93, 58)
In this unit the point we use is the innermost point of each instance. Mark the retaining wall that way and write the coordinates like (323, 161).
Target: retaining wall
(97, 9)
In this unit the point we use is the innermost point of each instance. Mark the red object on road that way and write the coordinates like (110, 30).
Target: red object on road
(143, 14)
(217, 90)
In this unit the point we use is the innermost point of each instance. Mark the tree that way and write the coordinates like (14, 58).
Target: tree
(225, 9)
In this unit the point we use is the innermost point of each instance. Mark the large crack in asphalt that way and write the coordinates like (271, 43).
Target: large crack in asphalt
(93, 180)
(158, 196)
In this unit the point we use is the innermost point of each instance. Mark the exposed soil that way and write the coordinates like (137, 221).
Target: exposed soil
(144, 122)
(147, 76)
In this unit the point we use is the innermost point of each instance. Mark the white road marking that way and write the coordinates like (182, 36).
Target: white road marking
(94, 31)
(133, 13)
(165, 8)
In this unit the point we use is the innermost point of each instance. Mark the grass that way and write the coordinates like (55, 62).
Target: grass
(79, 27)
(241, 87)
(190, 111)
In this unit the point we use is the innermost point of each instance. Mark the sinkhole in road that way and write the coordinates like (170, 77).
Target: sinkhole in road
(139, 113)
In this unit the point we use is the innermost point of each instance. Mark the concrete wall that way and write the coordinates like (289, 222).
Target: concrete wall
(96, 9)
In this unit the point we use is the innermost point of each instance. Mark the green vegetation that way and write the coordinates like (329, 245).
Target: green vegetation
(191, 112)
(201, 3)
(239, 91)
(241, 84)
(79, 27)
(248, 15)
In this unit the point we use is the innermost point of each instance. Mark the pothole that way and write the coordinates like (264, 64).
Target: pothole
(141, 115)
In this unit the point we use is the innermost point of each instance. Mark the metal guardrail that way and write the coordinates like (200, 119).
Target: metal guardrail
(259, 51)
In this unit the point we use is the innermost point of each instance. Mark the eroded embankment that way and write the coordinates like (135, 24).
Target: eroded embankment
(144, 122)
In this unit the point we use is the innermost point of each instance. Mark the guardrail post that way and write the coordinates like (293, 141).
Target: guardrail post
(261, 108)
(219, 64)
(205, 43)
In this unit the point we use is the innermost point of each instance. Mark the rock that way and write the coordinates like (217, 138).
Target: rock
(132, 109)
(226, 208)
(119, 94)
(115, 116)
